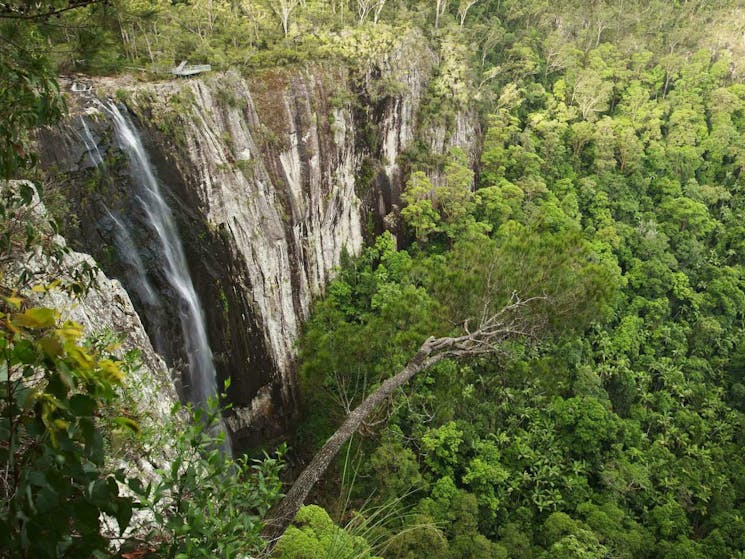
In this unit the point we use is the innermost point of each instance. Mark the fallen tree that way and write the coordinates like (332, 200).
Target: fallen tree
(510, 322)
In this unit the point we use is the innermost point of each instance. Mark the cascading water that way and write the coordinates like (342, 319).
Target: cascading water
(138, 280)
(201, 381)
(129, 255)
(91, 146)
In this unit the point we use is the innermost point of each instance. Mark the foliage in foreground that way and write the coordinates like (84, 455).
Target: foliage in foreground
(205, 504)
(67, 416)
(61, 407)
(315, 536)
(52, 449)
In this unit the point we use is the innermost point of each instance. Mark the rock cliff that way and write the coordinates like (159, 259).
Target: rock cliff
(271, 178)
(106, 313)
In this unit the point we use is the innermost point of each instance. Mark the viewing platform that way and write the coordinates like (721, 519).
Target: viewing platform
(184, 70)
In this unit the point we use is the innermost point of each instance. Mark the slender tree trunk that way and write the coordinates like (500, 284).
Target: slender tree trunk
(441, 7)
(363, 8)
(378, 8)
(280, 517)
(284, 9)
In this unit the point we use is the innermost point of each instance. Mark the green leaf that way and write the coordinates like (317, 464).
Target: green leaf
(100, 492)
(51, 346)
(13, 301)
(127, 424)
(27, 193)
(23, 352)
(83, 405)
(85, 512)
(36, 318)
(135, 484)
(123, 514)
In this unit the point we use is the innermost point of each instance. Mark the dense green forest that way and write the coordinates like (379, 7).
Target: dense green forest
(622, 439)
(607, 187)
(617, 433)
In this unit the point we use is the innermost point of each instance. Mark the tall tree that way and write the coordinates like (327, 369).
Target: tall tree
(284, 10)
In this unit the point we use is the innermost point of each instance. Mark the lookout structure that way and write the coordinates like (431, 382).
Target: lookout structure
(183, 70)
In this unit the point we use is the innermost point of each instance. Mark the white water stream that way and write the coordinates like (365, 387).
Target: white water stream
(91, 146)
(201, 377)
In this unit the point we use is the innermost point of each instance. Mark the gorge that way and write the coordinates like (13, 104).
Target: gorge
(472, 272)
(269, 183)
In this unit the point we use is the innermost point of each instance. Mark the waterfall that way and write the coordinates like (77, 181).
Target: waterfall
(200, 378)
(91, 146)
(137, 279)
(129, 255)
(131, 258)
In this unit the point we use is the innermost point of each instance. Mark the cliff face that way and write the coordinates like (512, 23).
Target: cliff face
(107, 308)
(105, 311)
(270, 179)
(107, 315)
(280, 193)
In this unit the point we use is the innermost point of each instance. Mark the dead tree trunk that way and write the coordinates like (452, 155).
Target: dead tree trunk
(505, 324)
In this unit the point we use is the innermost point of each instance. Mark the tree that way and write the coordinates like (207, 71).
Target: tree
(419, 212)
(52, 453)
(493, 330)
(57, 405)
(591, 93)
(364, 7)
(463, 7)
(40, 10)
(477, 286)
(284, 9)
(443, 208)
(378, 8)
(317, 537)
(441, 6)
(29, 95)
(455, 199)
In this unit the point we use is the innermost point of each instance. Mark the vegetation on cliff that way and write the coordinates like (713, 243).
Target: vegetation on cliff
(83, 470)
